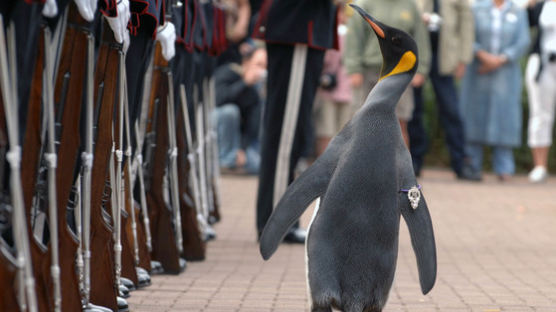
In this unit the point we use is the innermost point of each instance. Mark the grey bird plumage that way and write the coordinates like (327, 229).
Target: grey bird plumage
(352, 244)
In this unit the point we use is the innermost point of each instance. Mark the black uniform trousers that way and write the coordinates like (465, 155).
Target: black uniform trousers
(279, 67)
(137, 62)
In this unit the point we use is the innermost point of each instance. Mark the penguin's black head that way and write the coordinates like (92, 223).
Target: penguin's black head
(399, 50)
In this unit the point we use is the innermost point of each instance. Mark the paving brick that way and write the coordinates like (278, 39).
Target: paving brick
(495, 246)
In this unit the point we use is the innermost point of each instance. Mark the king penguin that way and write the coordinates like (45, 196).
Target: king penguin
(363, 180)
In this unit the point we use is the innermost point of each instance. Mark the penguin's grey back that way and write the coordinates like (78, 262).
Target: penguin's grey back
(353, 240)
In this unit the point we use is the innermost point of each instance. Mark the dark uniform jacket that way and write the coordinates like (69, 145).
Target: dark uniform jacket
(298, 21)
(146, 16)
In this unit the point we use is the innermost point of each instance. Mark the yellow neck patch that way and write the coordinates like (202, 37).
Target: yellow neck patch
(405, 64)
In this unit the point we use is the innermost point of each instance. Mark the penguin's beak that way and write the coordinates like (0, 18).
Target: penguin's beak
(374, 23)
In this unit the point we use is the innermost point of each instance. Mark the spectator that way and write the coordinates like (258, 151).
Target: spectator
(333, 107)
(541, 86)
(491, 87)
(238, 112)
(296, 33)
(363, 59)
(238, 16)
(450, 26)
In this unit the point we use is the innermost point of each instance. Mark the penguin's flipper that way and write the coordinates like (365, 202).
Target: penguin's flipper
(311, 184)
(418, 222)
(420, 228)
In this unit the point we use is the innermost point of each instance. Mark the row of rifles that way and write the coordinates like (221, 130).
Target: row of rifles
(107, 174)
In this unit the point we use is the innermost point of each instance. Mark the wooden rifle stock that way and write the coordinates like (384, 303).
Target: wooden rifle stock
(194, 247)
(128, 261)
(40, 255)
(144, 254)
(68, 96)
(164, 247)
(106, 95)
(8, 280)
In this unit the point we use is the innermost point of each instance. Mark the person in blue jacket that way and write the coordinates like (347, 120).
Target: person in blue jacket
(491, 88)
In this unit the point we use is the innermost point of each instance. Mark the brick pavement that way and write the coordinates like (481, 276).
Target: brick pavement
(496, 252)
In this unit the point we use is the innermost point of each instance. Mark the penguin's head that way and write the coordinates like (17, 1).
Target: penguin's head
(399, 50)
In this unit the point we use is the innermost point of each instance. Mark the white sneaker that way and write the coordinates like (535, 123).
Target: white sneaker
(538, 174)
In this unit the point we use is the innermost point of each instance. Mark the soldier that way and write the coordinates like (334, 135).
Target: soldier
(296, 33)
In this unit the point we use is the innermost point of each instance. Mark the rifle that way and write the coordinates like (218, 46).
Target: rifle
(194, 244)
(130, 227)
(8, 83)
(8, 264)
(172, 170)
(215, 162)
(172, 148)
(31, 157)
(68, 96)
(164, 243)
(144, 228)
(136, 229)
(201, 159)
(103, 290)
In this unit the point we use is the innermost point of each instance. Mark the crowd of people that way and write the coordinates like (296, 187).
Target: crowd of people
(471, 53)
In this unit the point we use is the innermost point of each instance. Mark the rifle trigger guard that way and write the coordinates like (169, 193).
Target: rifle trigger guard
(14, 156)
(51, 160)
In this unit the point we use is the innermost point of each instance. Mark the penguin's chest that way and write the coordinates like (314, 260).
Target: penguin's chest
(359, 208)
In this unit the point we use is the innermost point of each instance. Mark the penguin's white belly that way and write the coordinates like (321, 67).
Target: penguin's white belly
(317, 206)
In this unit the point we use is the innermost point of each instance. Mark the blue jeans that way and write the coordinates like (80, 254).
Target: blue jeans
(502, 158)
(228, 128)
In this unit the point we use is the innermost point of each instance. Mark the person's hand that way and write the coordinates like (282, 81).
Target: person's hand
(356, 80)
(252, 76)
(460, 71)
(166, 35)
(418, 80)
(237, 34)
(484, 56)
(426, 17)
(491, 63)
(87, 9)
(119, 23)
(50, 8)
